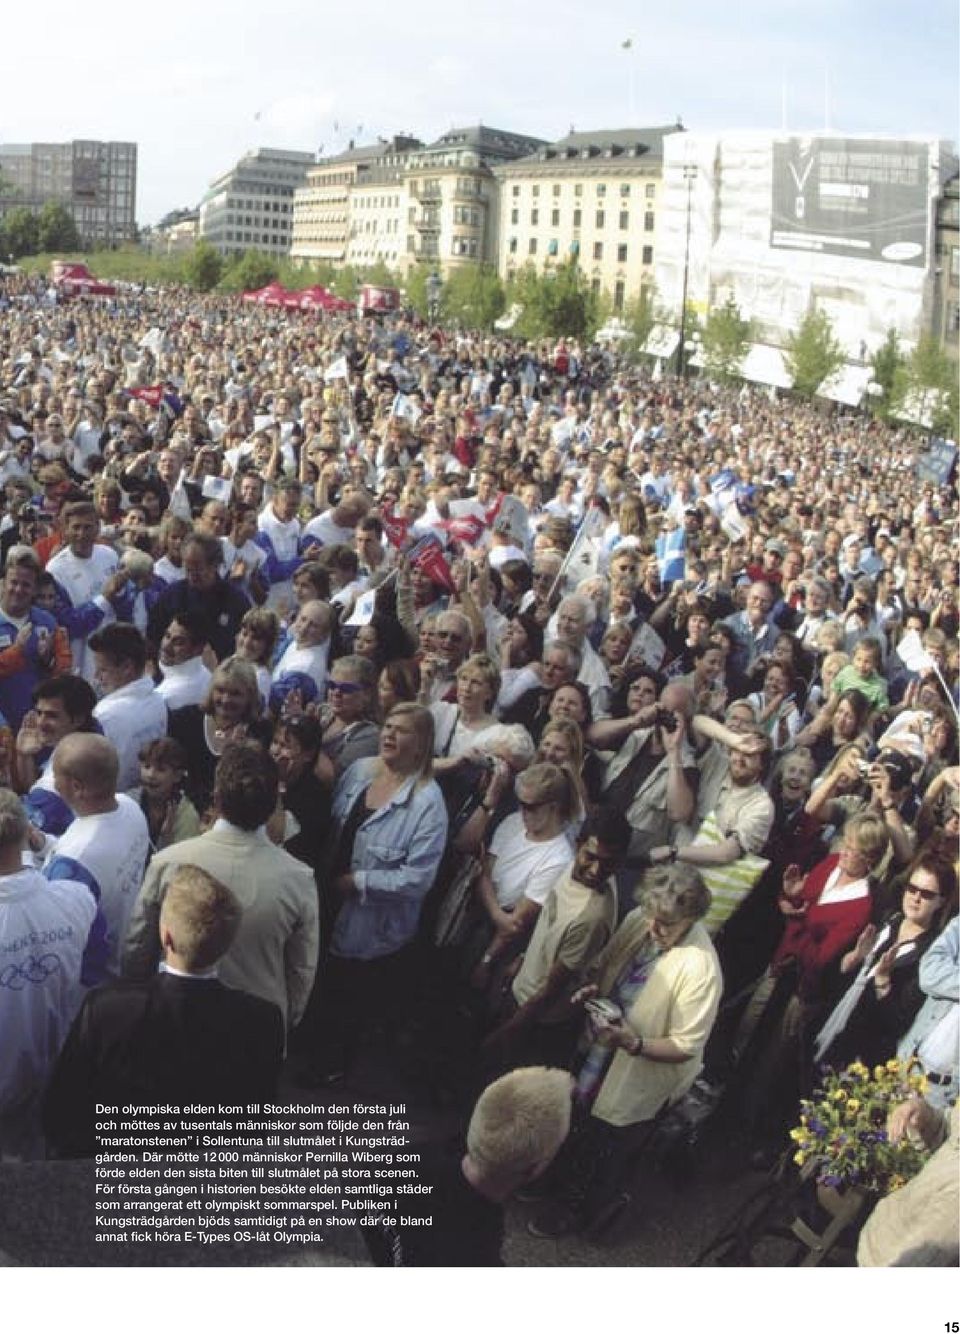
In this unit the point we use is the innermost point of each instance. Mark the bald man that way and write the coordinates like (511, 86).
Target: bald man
(107, 844)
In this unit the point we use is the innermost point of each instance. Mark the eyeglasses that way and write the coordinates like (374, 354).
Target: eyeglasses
(531, 805)
(928, 895)
(344, 687)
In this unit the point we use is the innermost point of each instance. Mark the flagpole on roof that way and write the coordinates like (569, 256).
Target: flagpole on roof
(627, 46)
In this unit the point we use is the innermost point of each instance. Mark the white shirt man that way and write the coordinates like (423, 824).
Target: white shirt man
(186, 680)
(106, 847)
(44, 927)
(279, 536)
(131, 712)
(82, 570)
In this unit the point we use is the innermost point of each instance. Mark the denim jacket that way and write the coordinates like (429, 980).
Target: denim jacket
(395, 859)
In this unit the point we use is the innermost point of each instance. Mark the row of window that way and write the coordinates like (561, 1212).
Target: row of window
(600, 219)
(649, 191)
(390, 225)
(553, 248)
(251, 238)
(258, 206)
(381, 201)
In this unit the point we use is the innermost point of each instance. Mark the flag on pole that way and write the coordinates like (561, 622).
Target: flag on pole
(395, 528)
(671, 555)
(337, 370)
(428, 556)
(151, 394)
(404, 406)
(363, 609)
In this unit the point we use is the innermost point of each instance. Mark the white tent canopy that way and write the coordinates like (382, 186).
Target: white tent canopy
(764, 364)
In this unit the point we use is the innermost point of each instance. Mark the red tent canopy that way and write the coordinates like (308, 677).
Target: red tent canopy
(271, 295)
(320, 298)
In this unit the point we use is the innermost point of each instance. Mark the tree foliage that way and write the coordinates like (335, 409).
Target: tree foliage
(885, 367)
(56, 229)
(248, 271)
(727, 336)
(812, 353)
(202, 267)
(640, 315)
(473, 296)
(925, 388)
(19, 233)
(554, 304)
(416, 289)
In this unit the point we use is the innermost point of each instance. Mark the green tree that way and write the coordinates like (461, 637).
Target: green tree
(886, 364)
(925, 388)
(555, 304)
(639, 315)
(202, 267)
(473, 296)
(20, 233)
(56, 229)
(812, 353)
(416, 288)
(248, 272)
(726, 340)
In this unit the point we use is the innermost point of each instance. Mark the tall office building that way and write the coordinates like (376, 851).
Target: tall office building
(95, 180)
(250, 207)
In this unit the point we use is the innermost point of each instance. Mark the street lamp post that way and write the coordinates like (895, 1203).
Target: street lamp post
(689, 175)
(434, 286)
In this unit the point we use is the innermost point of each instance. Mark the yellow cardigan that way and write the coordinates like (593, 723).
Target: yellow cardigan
(679, 1000)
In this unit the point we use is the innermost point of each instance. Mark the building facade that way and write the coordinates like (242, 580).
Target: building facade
(403, 202)
(592, 198)
(453, 217)
(326, 224)
(946, 294)
(250, 207)
(95, 180)
(784, 224)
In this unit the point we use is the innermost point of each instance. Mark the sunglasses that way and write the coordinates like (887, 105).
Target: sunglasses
(532, 805)
(344, 687)
(928, 895)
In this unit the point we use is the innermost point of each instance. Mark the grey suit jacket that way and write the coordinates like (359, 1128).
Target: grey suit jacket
(275, 951)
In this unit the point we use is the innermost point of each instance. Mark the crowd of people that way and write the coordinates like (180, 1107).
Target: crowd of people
(509, 700)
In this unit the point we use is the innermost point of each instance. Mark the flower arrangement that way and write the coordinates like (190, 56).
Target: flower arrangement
(842, 1135)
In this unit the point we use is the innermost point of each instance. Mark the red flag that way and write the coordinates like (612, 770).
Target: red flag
(494, 509)
(431, 561)
(148, 393)
(469, 529)
(395, 528)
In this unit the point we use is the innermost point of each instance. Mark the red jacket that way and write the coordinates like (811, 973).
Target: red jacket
(823, 933)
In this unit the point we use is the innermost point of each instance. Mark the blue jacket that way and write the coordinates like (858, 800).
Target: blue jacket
(16, 691)
(395, 858)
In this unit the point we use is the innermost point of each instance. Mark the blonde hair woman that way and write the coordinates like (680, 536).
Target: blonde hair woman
(389, 835)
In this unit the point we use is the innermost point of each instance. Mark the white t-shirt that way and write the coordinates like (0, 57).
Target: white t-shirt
(82, 579)
(108, 853)
(130, 717)
(524, 869)
(184, 683)
(449, 728)
(311, 661)
(44, 925)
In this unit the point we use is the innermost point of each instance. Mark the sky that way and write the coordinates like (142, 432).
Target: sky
(196, 83)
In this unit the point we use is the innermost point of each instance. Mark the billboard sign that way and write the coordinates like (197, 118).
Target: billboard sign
(865, 198)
